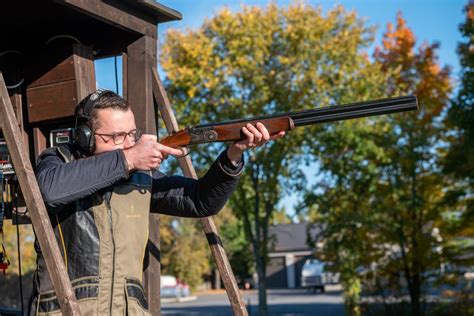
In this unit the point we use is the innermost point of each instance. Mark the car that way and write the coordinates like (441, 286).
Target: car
(315, 274)
(170, 287)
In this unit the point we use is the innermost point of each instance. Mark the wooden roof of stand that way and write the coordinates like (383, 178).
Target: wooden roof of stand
(162, 13)
(106, 25)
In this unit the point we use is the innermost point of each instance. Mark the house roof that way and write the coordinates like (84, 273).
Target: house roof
(291, 237)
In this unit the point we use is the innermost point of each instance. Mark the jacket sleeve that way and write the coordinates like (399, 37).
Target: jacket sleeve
(63, 182)
(187, 197)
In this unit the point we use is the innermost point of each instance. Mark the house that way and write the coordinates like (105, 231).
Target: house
(288, 250)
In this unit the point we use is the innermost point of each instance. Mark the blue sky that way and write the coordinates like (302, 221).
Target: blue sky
(435, 20)
(431, 21)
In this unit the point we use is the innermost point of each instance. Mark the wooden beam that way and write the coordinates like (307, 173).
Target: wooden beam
(140, 58)
(162, 13)
(124, 76)
(84, 70)
(153, 269)
(110, 14)
(39, 141)
(34, 201)
(228, 278)
(17, 102)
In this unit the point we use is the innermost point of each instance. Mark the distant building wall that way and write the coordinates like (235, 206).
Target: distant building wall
(284, 269)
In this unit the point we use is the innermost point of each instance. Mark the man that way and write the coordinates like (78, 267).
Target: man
(99, 193)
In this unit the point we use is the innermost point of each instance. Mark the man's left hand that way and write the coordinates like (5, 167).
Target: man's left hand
(256, 136)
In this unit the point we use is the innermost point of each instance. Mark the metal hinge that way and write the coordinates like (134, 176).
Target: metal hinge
(201, 135)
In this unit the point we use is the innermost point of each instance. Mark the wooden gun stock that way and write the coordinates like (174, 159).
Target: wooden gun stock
(224, 133)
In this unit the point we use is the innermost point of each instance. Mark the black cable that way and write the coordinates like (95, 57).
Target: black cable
(116, 76)
(15, 196)
(2, 204)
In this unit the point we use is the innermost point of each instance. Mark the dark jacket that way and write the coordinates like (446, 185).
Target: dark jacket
(99, 214)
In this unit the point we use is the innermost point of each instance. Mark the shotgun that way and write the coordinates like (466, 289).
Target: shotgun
(231, 130)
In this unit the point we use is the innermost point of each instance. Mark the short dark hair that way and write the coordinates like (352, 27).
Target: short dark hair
(106, 100)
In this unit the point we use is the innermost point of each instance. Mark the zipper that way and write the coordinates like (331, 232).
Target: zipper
(109, 211)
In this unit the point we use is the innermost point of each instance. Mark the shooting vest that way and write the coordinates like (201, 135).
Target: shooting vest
(103, 242)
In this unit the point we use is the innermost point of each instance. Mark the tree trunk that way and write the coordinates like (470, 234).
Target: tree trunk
(415, 292)
(415, 295)
(262, 288)
(258, 243)
(217, 280)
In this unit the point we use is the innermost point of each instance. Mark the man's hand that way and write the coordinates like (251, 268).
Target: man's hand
(147, 153)
(256, 136)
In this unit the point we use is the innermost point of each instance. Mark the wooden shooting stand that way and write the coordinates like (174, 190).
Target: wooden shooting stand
(57, 42)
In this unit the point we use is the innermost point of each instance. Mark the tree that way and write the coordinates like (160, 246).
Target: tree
(237, 246)
(380, 201)
(268, 60)
(413, 177)
(342, 202)
(461, 113)
(184, 250)
(458, 160)
(10, 284)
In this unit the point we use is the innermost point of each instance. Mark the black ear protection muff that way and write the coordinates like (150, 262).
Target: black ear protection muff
(83, 134)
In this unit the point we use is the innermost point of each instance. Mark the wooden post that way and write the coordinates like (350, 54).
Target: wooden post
(228, 278)
(84, 70)
(17, 102)
(139, 59)
(35, 204)
(124, 76)
(39, 141)
(141, 56)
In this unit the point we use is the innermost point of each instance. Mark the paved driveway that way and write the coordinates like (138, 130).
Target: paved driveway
(280, 302)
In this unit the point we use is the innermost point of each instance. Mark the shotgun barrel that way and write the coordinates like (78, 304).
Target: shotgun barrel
(231, 130)
(339, 112)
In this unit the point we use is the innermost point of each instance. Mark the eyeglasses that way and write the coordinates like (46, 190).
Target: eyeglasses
(119, 138)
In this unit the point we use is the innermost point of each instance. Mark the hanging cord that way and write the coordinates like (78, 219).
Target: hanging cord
(2, 199)
(19, 83)
(63, 36)
(2, 212)
(15, 201)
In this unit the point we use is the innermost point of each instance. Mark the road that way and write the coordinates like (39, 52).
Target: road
(288, 302)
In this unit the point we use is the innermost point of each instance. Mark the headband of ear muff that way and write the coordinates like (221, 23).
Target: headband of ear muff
(83, 135)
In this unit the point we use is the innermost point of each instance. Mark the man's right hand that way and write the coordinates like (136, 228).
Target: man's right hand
(147, 153)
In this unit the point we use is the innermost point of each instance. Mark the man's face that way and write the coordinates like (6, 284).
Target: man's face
(113, 121)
